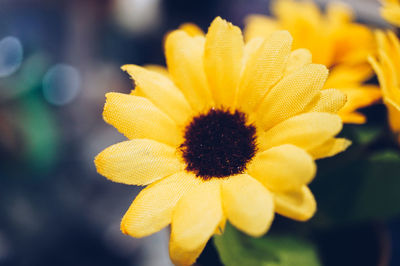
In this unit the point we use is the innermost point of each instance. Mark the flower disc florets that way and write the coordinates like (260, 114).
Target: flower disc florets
(218, 143)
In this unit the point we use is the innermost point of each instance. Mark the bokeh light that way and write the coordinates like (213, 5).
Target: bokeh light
(137, 16)
(61, 84)
(11, 55)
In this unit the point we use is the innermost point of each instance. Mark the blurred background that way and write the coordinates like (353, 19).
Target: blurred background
(57, 60)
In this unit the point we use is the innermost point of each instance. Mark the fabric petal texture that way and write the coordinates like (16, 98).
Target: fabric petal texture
(161, 91)
(283, 167)
(291, 95)
(222, 60)
(248, 205)
(195, 219)
(333, 38)
(228, 132)
(329, 148)
(297, 59)
(137, 117)
(329, 101)
(263, 69)
(184, 56)
(138, 162)
(152, 209)
(297, 204)
(298, 130)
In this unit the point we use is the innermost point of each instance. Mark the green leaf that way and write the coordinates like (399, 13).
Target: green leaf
(378, 196)
(366, 134)
(237, 249)
(365, 189)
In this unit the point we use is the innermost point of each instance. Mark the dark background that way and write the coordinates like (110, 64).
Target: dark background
(57, 60)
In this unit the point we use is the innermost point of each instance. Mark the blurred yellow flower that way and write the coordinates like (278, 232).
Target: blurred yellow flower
(191, 29)
(387, 68)
(231, 132)
(334, 40)
(391, 11)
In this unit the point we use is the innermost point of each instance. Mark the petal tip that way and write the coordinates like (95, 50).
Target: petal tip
(122, 227)
(124, 67)
(346, 143)
(99, 162)
(320, 68)
(126, 231)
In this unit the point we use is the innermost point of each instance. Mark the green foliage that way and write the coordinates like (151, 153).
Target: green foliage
(360, 187)
(237, 249)
(365, 134)
(40, 133)
(378, 196)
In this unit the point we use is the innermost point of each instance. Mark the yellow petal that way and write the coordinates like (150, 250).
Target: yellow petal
(263, 69)
(329, 101)
(152, 208)
(138, 162)
(291, 95)
(221, 227)
(394, 115)
(391, 86)
(259, 26)
(297, 59)
(353, 118)
(161, 91)
(191, 29)
(184, 56)
(391, 12)
(395, 51)
(362, 96)
(305, 131)
(157, 68)
(306, 12)
(223, 60)
(250, 48)
(283, 167)
(386, 72)
(358, 97)
(248, 205)
(354, 42)
(137, 117)
(379, 73)
(339, 12)
(184, 257)
(195, 219)
(343, 76)
(329, 148)
(298, 205)
(308, 27)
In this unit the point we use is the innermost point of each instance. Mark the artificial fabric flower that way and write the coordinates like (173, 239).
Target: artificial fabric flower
(230, 133)
(334, 40)
(391, 11)
(387, 68)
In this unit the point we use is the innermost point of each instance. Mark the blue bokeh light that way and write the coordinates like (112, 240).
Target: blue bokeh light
(11, 55)
(61, 84)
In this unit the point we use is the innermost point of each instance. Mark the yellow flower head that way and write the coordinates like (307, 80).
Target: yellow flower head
(391, 11)
(230, 132)
(387, 68)
(334, 40)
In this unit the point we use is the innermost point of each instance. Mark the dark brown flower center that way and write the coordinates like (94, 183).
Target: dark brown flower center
(218, 143)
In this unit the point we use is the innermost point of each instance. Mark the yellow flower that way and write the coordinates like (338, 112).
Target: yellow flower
(231, 132)
(387, 68)
(391, 11)
(334, 40)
